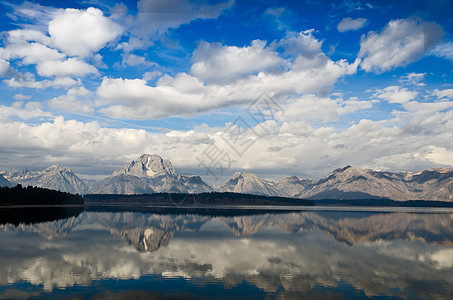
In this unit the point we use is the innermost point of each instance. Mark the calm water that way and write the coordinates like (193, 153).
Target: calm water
(310, 254)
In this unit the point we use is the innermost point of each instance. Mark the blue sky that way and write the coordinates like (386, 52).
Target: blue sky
(92, 85)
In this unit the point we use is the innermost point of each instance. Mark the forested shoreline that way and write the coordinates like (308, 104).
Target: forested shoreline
(29, 195)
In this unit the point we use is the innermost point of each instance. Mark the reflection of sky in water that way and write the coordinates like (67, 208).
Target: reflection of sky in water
(294, 254)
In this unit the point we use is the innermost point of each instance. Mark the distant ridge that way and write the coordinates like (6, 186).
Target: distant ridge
(150, 173)
(54, 177)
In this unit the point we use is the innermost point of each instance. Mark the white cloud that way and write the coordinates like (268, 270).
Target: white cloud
(351, 24)
(82, 32)
(444, 50)
(72, 102)
(30, 53)
(447, 93)
(49, 62)
(413, 141)
(301, 44)
(19, 36)
(180, 95)
(186, 95)
(28, 80)
(217, 63)
(151, 75)
(296, 128)
(413, 78)
(5, 69)
(312, 107)
(246, 74)
(23, 111)
(71, 66)
(400, 43)
(395, 94)
(73, 143)
(22, 97)
(136, 60)
(441, 156)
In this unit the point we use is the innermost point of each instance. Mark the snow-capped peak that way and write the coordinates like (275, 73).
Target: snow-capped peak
(148, 165)
(56, 168)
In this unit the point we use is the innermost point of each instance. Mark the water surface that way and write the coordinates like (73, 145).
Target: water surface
(311, 254)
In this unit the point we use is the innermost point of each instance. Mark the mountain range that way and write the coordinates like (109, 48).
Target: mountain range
(54, 177)
(153, 174)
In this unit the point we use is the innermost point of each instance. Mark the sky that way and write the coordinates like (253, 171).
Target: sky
(272, 87)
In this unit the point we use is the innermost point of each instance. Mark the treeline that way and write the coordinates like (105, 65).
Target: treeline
(383, 202)
(19, 195)
(213, 198)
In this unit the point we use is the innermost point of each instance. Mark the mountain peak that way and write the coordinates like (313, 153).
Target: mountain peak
(56, 168)
(243, 174)
(148, 165)
(149, 173)
(246, 182)
(289, 179)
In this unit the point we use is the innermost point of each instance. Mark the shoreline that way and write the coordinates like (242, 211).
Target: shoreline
(264, 208)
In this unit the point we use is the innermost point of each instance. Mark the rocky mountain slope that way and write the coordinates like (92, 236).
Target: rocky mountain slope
(4, 182)
(248, 183)
(54, 177)
(292, 185)
(149, 174)
(353, 183)
(153, 174)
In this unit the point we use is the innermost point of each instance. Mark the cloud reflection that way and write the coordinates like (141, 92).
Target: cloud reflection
(377, 253)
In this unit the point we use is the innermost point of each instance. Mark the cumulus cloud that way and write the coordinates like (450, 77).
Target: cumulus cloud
(28, 80)
(417, 138)
(214, 62)
(441, 156)
(325, 109)
(246, 75)
(400, 43)
(82, 32)
(186, 95)
(49, 62)
(5, 69)
(75, 100)
(30, 53)
(22, 97)
(70, 32)
(301, 44)
(71, 66)
(24, 111)
(395, 94)
(447, 93)
(351, 24)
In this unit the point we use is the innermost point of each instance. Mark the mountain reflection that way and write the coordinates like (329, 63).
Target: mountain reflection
(285, 254)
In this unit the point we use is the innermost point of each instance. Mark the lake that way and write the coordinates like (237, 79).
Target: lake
(110, 253)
